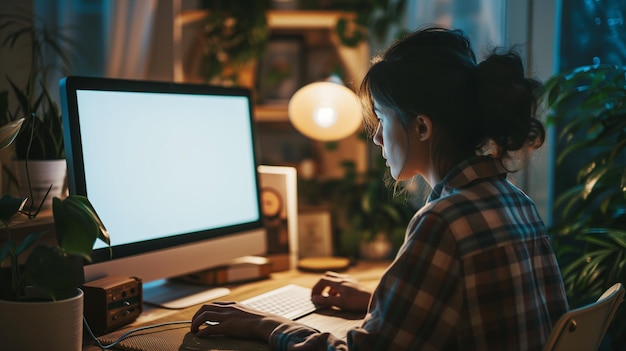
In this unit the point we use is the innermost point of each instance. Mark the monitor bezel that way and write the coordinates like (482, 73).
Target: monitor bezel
(75, 161)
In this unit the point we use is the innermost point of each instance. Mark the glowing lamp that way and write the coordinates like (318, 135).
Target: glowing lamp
(325, 111)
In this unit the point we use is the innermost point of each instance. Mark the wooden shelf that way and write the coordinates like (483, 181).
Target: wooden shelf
(303, 19)
(309, 23)
(271, 113)
(280, 19)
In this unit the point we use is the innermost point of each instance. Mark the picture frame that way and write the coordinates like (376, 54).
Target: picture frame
(281, 69)
(279, 207)
(315, 233)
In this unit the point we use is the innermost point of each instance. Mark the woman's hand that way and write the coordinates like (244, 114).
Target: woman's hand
(340, 290)
(236, 320)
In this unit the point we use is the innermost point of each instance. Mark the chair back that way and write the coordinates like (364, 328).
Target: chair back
(584, 328)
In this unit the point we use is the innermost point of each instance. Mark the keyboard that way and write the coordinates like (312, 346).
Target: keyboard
(290, 301)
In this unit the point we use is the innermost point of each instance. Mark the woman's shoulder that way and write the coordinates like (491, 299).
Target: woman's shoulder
(459, 201)
(476, 205)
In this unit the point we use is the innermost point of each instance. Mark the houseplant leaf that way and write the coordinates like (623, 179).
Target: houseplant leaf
(10, 206)
(51, 271)
(5, 249)
(103, 234)
(77, 225)
(28, 242)
(9, 131)
(588, 105)
(49, 50)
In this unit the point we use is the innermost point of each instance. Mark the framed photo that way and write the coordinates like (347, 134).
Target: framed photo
(280, 69)
(279, 206)
(315, 234)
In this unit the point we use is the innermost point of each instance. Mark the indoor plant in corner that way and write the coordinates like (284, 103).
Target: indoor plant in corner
(588, 105)
(371, 218)
(40, 294)
(42, 137)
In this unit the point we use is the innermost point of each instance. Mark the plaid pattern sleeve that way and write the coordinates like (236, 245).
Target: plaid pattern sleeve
(476, 272)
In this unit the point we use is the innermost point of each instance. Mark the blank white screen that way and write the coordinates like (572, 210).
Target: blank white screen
(161, 164)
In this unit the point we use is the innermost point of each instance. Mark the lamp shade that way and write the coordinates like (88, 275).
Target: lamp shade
(325, 111)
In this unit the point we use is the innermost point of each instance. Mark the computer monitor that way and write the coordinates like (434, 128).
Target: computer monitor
(171, 170)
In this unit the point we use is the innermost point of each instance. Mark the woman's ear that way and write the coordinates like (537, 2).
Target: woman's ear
(423, 127)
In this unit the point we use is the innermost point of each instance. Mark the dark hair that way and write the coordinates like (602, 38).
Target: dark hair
(433, 72)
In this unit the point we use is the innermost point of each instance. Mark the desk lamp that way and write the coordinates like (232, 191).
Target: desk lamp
(325, 111)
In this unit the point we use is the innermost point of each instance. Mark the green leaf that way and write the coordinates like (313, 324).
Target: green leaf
(13, 36)
(619, 236)
(103, 234)
(76, 230)
(77, 225)
(569, 200)
(6, 249)
(22, 97)
(28, 242)
(51, 270)
(573, 147)
(393, 213)
(9, 131)
(592, 180)
(617, 149)
(574, 267)
(10, 206)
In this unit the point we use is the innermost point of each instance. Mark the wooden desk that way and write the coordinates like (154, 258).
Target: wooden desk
(177, 338)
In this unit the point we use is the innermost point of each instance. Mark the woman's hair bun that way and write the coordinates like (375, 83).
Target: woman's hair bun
(508, 102)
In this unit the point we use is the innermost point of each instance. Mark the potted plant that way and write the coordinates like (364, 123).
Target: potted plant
(41, 292)
(233, 36)
(369, 218)
(588, 105)
(373, 19)
(41, 137)
(376, 216)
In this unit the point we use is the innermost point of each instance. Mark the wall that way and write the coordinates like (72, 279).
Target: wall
(531, 23)
(15, 64)
(536, 23)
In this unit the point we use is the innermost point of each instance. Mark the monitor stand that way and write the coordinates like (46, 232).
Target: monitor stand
(172, 294)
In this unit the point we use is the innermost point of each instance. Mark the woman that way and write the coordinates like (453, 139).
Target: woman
(476, 270)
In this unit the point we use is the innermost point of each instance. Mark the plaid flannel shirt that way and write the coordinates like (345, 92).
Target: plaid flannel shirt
(476, 272)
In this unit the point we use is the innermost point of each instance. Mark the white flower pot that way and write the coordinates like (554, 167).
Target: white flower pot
(43, 173)
(48, 325)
